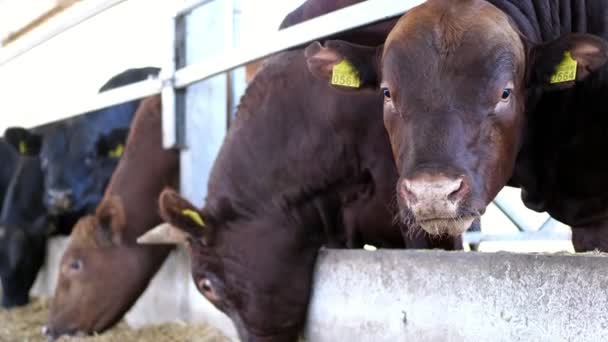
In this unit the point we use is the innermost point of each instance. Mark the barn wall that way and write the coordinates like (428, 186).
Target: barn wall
(412, 295)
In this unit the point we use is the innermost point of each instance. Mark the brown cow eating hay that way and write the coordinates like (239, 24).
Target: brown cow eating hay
(103, 271)
(297, 171)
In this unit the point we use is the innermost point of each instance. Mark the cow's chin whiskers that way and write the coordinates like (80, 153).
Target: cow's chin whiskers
(414, 227)
(435, 227)
(449, 226)
(407, 219)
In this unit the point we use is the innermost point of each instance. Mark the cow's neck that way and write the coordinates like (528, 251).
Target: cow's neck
(545, 20)
(139, 190)
(320, 210)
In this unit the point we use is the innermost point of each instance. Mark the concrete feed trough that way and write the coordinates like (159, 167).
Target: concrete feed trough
(390, 295)
(455, 296)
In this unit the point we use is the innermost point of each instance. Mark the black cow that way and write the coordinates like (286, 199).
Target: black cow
(23, 221)
(75, 173)
(9, 161)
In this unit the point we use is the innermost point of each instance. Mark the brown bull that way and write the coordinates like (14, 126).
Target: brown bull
(462, 81)
(103, 270)
(297, 171)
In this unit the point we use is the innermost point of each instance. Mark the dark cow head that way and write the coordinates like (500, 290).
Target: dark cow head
(78, 162)
(456, 77)
(255, 270)
(76, 173)
(99, 277)
(23, 222)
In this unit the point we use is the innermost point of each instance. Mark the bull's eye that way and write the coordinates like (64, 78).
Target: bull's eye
(387, 93)
(205, 285)
(506, 94)
(76, 265)
(207, 289)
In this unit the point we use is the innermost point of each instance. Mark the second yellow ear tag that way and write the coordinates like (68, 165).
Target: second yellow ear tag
(346, 75)
(194, 216)
(566, 70)
(22, 147)
(117, 152)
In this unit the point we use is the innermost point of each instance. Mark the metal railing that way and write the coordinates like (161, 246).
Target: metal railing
(69, 19)
(174, 79)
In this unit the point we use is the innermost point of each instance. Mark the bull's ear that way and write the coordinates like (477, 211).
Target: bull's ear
(344, 65)
(112, 145)
(180, 213)
(112, 219)
(24, 141)
(563, 62)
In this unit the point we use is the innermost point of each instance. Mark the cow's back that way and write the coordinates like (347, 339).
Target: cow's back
(293, 135)
(369, 35)
(545, 20)
(139, 187)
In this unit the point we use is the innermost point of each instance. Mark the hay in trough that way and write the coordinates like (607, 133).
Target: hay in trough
(25, 324)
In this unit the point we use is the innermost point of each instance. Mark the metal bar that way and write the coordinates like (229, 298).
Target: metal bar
(168, 95)
(189, 6)
(39, 20)
(71, 18)
(362, 14)
(477, 237)
(229, 37)
(547, 224)
(106, 99)
(354, 16)
(505, 210)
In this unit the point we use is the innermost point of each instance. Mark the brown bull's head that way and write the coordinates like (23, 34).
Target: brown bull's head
(457, 77)
(100, 277)
(257, 268)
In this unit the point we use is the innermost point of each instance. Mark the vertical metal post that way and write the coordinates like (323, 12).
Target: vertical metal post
(205, 105)
(172, 115)
(236, 77)
(209, 32)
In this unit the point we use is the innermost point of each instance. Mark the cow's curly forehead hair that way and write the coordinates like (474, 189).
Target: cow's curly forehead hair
(83, 233)
(453, 21)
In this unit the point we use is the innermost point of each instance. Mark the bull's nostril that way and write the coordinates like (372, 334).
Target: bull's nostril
(59, 199)
(406, 193)
(461, 189)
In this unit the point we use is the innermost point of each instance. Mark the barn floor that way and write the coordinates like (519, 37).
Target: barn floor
(24, 325)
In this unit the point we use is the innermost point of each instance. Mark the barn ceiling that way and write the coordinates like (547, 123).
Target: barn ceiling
(15, 15)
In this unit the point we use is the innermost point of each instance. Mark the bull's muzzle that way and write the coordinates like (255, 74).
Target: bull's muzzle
(435, 202)
(59, 201)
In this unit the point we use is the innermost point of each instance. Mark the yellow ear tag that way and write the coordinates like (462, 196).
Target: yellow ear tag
(117, 152)
(194, 216)
(22, 147)
(346, 75)
(566, 70)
